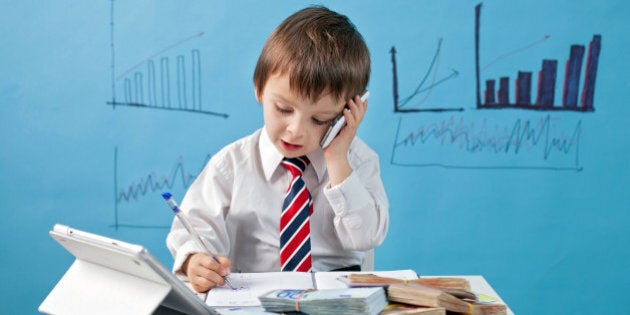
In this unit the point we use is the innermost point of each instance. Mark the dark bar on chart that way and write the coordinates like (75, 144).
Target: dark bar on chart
(165, 84)
(592, 59)
(489, 93)
(196, 79)
(127, 87)
(572, 76)
(523, 93)
(138, 84)
(504, 91)
(547, 83)
(152, 100)
(181, 83)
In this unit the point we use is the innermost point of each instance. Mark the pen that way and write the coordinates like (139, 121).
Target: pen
(191, 230)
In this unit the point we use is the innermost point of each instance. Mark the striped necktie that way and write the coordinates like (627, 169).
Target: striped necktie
(295, 233)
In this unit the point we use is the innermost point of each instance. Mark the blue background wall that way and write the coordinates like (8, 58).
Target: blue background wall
(532, 200)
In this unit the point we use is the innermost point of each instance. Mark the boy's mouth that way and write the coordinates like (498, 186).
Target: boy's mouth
(290, 147)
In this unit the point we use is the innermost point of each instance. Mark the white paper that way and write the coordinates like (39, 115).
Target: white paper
(249, 286)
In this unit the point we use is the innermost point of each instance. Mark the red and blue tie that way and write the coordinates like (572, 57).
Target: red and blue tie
(295, 231)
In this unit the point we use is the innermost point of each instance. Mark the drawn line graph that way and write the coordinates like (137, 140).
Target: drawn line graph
(422, 87)
(149, 184)
(159, 81)
(528, 144)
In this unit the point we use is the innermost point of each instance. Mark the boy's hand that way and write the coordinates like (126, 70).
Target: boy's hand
(204, 272)
(336, 154)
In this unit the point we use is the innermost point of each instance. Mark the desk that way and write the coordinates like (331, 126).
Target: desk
(478, 285)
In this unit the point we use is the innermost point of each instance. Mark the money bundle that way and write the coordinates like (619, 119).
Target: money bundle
(368, 301)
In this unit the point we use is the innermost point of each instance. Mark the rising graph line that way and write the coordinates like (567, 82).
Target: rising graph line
(433, 67)
(152, 56)
(516, 51)
(421, 88)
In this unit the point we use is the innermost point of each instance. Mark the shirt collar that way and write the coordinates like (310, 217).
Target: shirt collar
(271, 157)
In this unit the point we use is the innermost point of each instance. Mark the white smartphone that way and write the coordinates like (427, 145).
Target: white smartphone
(337, 124)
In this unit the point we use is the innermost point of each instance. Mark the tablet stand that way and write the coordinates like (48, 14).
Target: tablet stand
(88, 288)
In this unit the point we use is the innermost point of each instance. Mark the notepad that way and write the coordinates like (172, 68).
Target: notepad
(249, 286)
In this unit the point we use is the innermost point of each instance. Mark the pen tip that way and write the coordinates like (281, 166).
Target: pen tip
(166, 195)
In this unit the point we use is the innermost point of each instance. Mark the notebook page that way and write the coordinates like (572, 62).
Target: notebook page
(249, 286)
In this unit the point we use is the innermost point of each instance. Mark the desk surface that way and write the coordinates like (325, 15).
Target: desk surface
(478, 285)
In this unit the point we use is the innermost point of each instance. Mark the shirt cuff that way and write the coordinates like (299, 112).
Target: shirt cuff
(346, 197)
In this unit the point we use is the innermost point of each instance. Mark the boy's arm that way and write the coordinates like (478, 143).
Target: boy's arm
(360, 202)
(336, 154)
(205, 203)
(356, 191)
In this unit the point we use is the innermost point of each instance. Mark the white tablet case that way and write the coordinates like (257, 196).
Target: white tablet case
(114, 277)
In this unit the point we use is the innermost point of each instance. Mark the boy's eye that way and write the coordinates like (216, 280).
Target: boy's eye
(321, 122)
(283, 110)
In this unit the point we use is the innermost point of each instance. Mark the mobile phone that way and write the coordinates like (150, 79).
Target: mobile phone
(337, 124)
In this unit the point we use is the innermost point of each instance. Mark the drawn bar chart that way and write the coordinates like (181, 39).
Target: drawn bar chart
(500, 98)
(160, 81)
(168, 85)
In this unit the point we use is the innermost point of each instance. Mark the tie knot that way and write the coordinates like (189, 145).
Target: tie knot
(295, 165)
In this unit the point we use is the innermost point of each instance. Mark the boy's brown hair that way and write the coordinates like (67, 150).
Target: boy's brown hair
(322, 52)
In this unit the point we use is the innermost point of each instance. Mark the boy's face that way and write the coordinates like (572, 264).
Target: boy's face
(295, 125)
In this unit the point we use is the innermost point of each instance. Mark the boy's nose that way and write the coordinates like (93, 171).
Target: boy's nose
(296, 127)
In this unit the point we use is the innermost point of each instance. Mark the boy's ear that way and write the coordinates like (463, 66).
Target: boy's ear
(258, 97)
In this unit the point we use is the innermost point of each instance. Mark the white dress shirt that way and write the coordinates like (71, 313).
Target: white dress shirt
(236, 201)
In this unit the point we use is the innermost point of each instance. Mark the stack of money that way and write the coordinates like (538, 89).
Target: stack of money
(426, 296)
(368, 301)
(366, 280)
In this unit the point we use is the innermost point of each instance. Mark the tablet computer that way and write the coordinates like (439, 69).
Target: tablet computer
(109, 276)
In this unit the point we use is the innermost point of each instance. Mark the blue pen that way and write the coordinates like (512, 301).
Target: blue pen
(191, 230)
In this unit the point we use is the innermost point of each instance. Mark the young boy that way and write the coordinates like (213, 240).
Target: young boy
(312, 69)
